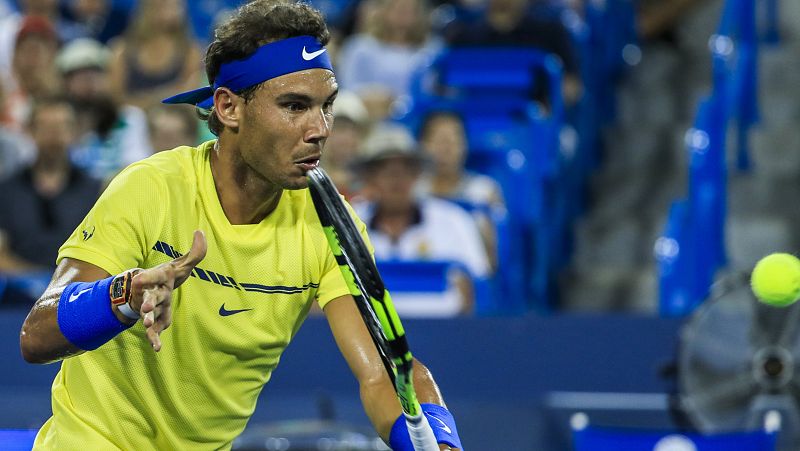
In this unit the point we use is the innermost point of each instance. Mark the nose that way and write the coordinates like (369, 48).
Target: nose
(319, 127)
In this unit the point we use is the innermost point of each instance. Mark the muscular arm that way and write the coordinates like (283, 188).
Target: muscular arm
(377, 393)
(41, 340)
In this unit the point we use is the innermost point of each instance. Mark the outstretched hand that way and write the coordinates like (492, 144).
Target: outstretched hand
(151, 289)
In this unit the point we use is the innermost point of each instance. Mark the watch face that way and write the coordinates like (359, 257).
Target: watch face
(118, 289)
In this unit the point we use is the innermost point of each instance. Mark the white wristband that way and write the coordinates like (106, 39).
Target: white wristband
(126, 310)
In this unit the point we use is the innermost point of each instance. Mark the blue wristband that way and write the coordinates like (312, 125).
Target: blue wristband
(442, 423)
(85, 316)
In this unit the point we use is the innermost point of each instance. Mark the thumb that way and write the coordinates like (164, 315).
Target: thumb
(185, 263)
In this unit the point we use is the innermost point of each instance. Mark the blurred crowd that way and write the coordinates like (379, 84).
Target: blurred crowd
(81, 83)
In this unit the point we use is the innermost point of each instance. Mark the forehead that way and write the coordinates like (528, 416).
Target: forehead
(319, 84)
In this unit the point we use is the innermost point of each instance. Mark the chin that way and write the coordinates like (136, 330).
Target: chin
(300, 183)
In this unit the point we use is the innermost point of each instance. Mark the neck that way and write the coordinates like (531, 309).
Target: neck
(50, 164)
(443, 182)
(504, 21)
(50, 176)
(395, 221)
(246, 198)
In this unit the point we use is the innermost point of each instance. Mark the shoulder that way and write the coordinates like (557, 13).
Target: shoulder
(482, 187)
(171, 168)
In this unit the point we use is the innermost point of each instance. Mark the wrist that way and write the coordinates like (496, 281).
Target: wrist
(442, 424)
(120, 295)
(85, 315)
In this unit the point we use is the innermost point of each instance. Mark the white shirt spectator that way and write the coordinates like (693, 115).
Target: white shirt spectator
(444, 231)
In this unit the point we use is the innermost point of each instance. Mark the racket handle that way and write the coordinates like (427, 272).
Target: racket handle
(421, 433)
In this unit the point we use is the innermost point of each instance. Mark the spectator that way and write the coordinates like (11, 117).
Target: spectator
(509, 23)
(351, 123)
(172, 126)
(408, 227)
(11, 24)
(110, 136)
(34, 74)
(101, 20)
(156, 57)
(444, 141)
(378, 64)
(40, 205)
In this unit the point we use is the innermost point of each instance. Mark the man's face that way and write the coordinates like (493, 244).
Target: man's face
(87, 84)
(392, 181)
(343, 143)
(283, 128)
(445, 143)
(52, 129)
(33, 56)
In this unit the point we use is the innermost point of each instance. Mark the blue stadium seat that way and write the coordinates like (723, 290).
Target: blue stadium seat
(423, 287)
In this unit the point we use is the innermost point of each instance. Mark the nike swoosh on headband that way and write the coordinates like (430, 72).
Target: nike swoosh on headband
(310, 56)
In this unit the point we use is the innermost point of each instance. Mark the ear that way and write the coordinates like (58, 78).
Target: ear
(228, 107)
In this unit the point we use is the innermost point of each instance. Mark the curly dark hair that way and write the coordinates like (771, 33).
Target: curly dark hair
(251, 26)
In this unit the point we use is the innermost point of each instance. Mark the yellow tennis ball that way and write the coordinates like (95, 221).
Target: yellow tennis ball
(776, 279)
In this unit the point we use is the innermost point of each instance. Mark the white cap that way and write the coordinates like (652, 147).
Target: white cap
(82, 53)
(349, 105)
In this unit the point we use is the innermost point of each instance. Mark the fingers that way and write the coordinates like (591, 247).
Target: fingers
(157, 311)
(151, 289)
(185, 264)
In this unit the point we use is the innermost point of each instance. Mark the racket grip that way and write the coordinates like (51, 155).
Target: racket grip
(421, 433)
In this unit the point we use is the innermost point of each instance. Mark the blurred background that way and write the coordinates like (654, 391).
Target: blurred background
(566, 198)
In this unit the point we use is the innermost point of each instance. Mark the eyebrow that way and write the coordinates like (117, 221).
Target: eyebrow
(303, 98)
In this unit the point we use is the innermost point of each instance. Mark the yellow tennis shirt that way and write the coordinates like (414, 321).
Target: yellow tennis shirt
(231, 320)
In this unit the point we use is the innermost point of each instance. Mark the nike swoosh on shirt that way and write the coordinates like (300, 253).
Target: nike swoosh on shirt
(224, 312)
(74, 296)
(310, 56)
(444, 426)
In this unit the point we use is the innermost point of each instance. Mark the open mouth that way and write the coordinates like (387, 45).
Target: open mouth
(306, 164)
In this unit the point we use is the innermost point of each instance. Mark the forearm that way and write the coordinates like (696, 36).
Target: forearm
(41, 337)
(41, 340)
(380, 400)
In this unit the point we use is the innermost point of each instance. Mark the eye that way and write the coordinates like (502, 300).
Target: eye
(294, 106)
(328, 107)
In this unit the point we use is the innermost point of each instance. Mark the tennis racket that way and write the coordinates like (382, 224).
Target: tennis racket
(373, 302)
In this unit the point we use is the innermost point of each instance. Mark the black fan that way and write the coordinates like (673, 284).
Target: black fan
(738, 360)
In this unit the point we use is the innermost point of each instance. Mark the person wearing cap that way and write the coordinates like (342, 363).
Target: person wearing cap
(34, 74)
(175, 297)
(110, 136)
(406, 226)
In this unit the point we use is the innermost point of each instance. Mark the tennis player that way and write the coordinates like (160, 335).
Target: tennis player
(211, 257)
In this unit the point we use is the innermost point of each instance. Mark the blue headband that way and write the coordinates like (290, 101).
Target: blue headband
(269, 61)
